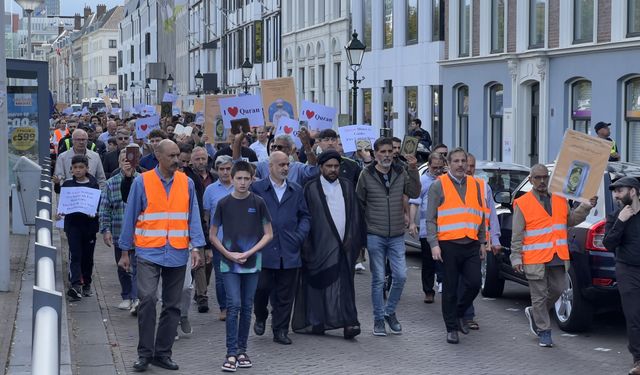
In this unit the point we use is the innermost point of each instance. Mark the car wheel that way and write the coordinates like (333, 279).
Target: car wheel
(492, 283)
(572, 311)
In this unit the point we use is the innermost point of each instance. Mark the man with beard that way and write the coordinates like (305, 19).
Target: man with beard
(326, 294)
(621, 237)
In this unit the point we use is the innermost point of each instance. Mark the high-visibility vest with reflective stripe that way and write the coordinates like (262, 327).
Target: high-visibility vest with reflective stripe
(165, 217)
(56, 137)
(487, 210)
(457, 219)
(544, 235)
(67, 142)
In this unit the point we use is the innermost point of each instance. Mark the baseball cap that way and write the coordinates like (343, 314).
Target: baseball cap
(601, 125)
(87, 126)
(629, 182)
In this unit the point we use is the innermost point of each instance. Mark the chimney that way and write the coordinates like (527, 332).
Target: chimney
(77, 22)
(60, 28)
(101, 10)
(87, 13)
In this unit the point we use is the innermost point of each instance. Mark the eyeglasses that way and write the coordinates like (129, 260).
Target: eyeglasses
(122, 138)
(277, 147)
(80, 139)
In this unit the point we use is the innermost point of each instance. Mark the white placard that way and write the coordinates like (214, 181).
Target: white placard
(78, 199)
(351, 134)
(246, 106)
(169, 97)
(145, 125)
(317, 116)
(290, 127)
(181, 129)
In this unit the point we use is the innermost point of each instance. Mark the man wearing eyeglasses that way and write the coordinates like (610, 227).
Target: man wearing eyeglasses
(62, 170)
(110, 161)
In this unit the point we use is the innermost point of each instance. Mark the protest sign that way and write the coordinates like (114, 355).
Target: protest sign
(316, 116)
(237, 107)
(357, 136)
(198, 105)
(165, 109)
(343, 120)
(199, 118)
(145, 125)
(78, 199)
(290, 127)
(169, 97)
(278, 99)
(579, 167)
(213, 124)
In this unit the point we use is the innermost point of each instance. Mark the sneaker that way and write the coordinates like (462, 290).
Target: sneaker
(177, 337)
(74, 294)
(360, 267)
(636, 369)
(185, 325)
(379, 328)
(439, 287)
(86, 290)
(203, 307)
(545, 339)
(394, 324)
(528, 312)
(125, 304)
(134, 307)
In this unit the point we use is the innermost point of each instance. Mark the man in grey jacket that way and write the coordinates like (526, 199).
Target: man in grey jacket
(380, 190)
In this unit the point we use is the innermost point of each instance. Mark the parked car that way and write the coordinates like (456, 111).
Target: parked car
(591, 280)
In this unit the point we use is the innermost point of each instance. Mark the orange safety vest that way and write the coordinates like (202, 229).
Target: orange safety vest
(544, 235)
(165, 217)
(486, 209)
(57, 136)
(457, 219)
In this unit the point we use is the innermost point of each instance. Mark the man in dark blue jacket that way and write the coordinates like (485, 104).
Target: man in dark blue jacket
(281, 257)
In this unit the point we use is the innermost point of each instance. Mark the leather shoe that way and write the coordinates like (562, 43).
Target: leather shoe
(281, 338)
(351, 332)
(165, 362)
(463, 326)
(258, 327)
(141, 364)
(452, 337)
(429, 297)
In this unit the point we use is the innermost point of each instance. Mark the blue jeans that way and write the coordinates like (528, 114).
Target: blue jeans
(240, 288)
(380, 249)
(221, 295)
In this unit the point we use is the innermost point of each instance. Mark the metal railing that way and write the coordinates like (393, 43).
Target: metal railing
(47, 301)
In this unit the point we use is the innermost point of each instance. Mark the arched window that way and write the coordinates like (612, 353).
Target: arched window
(632, 119)
(495, 120)
(581, 105)
(463, 116)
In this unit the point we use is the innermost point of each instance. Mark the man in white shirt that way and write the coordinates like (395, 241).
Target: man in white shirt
(260, 146)
(62, 171)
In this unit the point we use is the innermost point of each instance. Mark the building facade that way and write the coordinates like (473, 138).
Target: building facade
(518, 73)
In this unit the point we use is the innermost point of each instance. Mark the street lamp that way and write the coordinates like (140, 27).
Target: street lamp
(133, 94)
(355, 53)
(146, 92)
(247, 68)
(170, 82)
(29, 6)
(198, 77)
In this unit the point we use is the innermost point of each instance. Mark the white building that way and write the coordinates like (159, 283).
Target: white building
(314, 33)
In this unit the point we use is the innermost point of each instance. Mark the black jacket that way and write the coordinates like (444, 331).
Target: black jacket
(110, 162)
(78, 219)
(622, 238)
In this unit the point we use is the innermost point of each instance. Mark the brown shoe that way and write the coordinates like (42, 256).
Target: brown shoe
(429, 297)
(636, 369)
(223, 315)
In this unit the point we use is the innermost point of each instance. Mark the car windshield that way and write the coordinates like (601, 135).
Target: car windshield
(502, 179)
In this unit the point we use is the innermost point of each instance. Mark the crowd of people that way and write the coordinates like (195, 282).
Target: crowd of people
(288, 228)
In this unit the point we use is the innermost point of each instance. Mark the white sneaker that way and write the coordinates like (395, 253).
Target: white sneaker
(134, 307)
(439, 287)
(125, 304)
(360, 268)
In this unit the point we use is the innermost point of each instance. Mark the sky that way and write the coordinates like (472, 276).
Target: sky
(68, 7)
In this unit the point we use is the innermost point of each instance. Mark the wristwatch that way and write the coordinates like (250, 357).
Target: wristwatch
(195, 249)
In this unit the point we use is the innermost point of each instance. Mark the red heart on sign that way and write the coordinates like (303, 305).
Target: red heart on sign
(287, 129)
(310, 114)
(143, 127)
(233, 111)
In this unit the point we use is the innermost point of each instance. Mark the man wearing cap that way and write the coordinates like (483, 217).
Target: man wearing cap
(603, 131)
(326, 295)
(621, 237)
(539, 247)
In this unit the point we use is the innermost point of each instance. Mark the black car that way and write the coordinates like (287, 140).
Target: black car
(591, 280)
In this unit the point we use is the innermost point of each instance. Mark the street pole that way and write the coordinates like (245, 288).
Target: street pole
(354, 119)
(29, 13)
(5, 253)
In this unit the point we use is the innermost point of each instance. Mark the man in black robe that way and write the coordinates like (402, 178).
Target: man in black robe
(326, 295)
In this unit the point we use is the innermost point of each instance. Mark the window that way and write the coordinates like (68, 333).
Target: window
(633, 18)
(368, 20)
(632, 117)
(366, 110)
(412, 21)
(583, 21)
(120, 82)
(257, 37)
(412, 104)
(436, 108)
(536, 23)
(147, 44)
(321, 77)
(437, 20)
(336, 101)
(581, 105)
(497, 26)
(495, 118)
(113, 43)
(388, 24)
(113, 62)
(132, 54)
(126, 83)
(464, 28)
(119, 59)
(463, 117)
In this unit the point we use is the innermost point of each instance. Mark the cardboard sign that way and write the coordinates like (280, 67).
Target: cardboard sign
(237, 107)
(316, 117)
(356, 137)
(144, 126)
(198, 105)
(166, 109)
(278, 99)
(213, 123)
(78, 199)
(290, 127)
(579, 167)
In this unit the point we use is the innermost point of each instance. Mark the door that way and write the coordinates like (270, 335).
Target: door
(534, 124)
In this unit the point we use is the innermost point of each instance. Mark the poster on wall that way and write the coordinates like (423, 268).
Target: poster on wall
(22, 116)
(278, 99)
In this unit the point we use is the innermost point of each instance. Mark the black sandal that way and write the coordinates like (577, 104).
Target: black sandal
(229, 365)
(244, 361)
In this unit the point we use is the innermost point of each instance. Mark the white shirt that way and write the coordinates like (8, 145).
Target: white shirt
(335, 202)
(279, 189)
(260, 150)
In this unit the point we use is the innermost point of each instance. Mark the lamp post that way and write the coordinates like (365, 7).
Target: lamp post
(170, 83)
(133, 94)
(355, 53)
(29, 6)
(146, 92)
(198, 77)
(247, 68)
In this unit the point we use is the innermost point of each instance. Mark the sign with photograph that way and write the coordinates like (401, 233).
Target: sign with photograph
(278, 99)
(237, 107)
(357, 137)
(213, 123)
(316, 116)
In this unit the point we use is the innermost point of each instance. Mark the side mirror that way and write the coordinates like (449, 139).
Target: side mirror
(503, 197)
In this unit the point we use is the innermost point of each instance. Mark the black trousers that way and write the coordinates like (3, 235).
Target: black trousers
(629, 287)
(461, 264)
(151, 343)
(82, 243)
(281, 286)
(430, 268)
